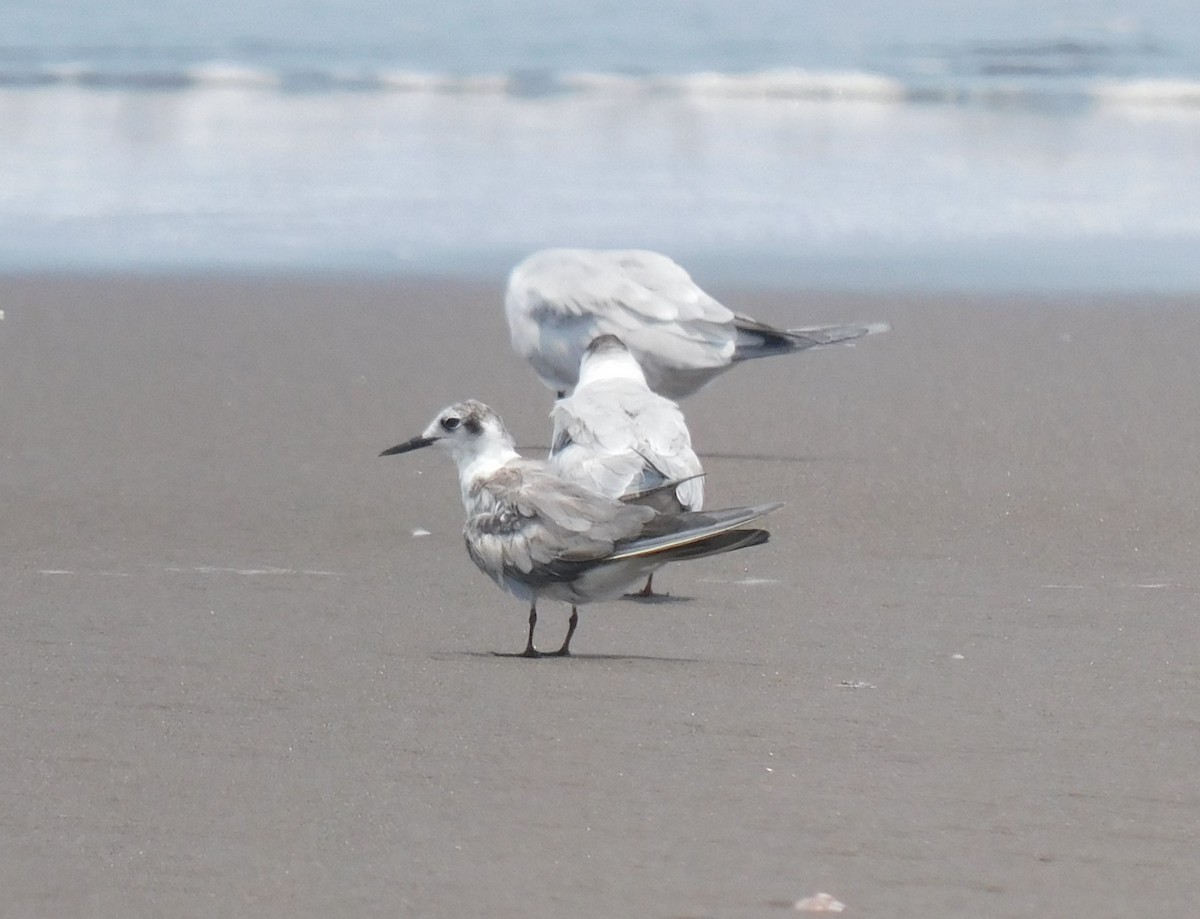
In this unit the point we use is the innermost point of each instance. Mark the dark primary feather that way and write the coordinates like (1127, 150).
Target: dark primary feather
(757, 339)
(669, 531)
(663, 497)
(727, 541)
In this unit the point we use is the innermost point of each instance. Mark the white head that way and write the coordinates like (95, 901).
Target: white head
(473, 435)
(607, 358)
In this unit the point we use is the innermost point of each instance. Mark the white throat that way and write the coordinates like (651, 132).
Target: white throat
(483, 462)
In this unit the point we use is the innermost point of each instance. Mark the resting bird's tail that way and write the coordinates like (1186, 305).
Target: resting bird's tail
(716, 544)
(695, 534)
(757, 339)
(663, 497)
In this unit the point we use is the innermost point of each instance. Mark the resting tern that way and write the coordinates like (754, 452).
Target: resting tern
(537, 534)
(560, 300)
(613, 434)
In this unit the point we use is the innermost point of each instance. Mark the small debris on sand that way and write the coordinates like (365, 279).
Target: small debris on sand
(820, 903)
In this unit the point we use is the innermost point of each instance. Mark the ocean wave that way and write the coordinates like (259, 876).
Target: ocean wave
(790, 84)
(834, 86)
(1148, 92)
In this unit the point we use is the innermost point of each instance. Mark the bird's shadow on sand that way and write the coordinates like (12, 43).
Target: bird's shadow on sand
(504, 655)
(657, 599)
(653, 600)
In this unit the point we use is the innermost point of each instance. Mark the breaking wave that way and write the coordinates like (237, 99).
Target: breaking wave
(774, 84)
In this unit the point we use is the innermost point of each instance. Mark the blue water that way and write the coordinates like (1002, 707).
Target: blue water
(1049, 145)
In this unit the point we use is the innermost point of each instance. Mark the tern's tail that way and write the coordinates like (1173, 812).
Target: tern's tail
(695, 534)
(757, 339)
(716, 544)
(663, 497)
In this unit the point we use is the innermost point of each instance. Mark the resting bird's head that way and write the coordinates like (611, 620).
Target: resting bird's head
(466, 430)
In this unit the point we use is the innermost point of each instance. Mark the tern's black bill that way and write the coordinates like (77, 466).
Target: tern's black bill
(416, 443)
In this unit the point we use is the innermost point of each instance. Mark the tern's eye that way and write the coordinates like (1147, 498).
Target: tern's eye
(450, 423)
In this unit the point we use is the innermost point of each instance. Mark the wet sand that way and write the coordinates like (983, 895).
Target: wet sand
(960, 680)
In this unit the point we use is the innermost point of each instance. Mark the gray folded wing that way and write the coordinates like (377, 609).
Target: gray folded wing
(642, 297)
(527, 518)
(617, 436)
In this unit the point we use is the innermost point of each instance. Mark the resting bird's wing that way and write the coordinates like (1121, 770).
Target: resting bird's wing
(559, 300)
(601, 458)
(663, 440)
(528, 517)
(617, 436)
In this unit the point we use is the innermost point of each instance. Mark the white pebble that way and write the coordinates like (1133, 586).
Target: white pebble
(820, 903)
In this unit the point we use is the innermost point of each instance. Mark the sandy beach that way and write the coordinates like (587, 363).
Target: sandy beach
(960, 681)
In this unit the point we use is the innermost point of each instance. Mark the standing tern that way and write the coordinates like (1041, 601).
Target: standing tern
(537, 534)
(614, 435)
(559, 300)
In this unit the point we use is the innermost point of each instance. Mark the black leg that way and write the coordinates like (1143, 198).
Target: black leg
(565, 650)
(530, 650)
(647, 591)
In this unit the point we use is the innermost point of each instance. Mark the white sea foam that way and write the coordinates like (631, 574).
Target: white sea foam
(225, 73)
(433, 82)
(1145, 92)
(790, 84)
(785, 84)
(411, 80)
(597, 82)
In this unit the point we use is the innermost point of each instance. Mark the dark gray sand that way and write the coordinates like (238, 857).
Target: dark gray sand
(961, 680)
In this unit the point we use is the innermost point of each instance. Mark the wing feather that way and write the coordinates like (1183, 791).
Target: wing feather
(530, 517)
(621, 437)
(558, 300)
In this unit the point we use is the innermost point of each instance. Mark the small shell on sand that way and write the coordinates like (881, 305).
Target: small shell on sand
(820, 903)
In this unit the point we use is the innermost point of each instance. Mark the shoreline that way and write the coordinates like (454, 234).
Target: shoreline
(1133, 270)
